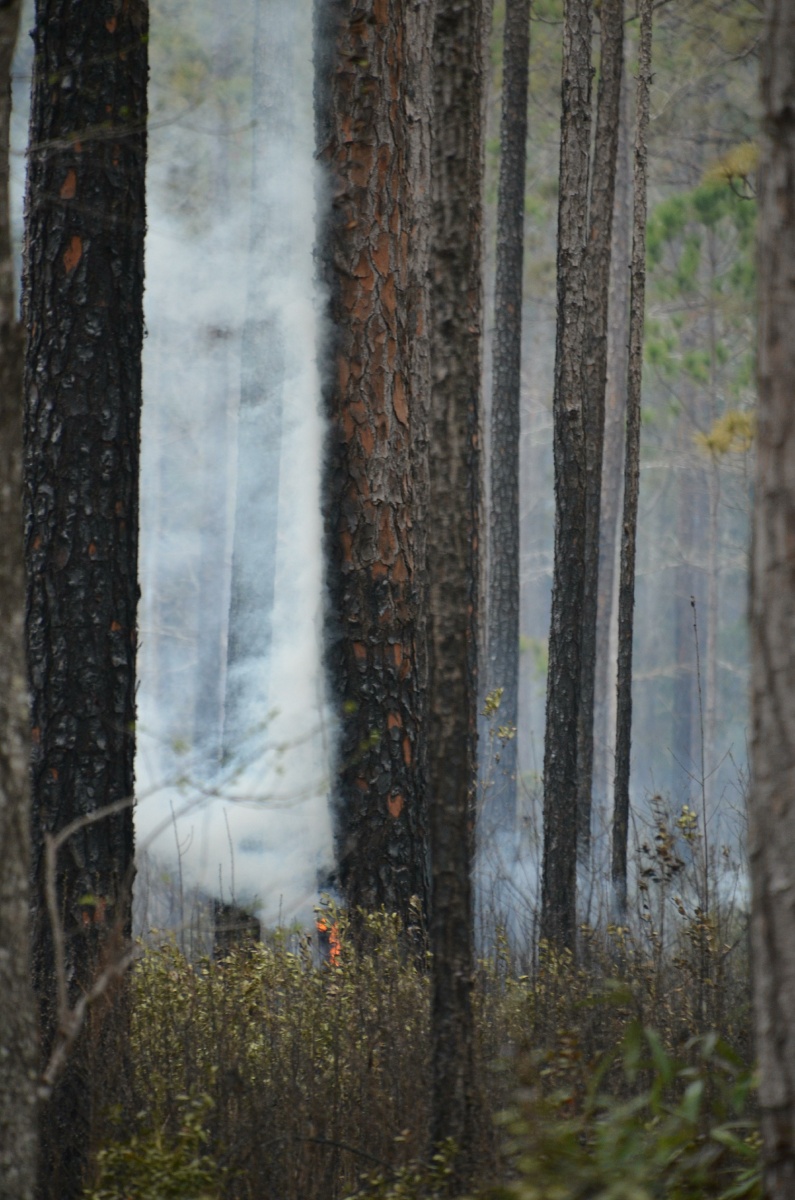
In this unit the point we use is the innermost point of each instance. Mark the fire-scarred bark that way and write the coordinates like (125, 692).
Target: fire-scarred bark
(373, 98)
(17, 1010)
(453, 547)
(84, 320)
(558, 899)
(772, 798)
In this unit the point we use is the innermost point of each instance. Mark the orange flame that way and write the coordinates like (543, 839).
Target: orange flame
(332, 930)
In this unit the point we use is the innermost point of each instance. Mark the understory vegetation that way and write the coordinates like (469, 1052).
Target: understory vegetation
(278, 1072)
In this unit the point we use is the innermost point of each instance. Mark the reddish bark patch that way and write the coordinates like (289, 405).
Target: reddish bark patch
(399, 400)
(69, 185)
(73, 254)
(395, 805)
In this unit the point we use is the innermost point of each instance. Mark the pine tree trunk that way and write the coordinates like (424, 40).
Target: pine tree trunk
(453, 549)
(373, 111)
(84, 320)
(772, 798)
(17, 1006)
(626, 593)
(597, 295)
(558, 883)
(503, 593)
(612, 465)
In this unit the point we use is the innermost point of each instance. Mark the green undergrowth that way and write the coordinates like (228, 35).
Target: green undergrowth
(269, 1075)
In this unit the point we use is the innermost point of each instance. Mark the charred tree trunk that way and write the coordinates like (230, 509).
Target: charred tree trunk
(772, 799)
(612, 462)
(594, 369)
(84, 320)
(17, 1008)
(373, 108)
(503, 587)
(626, 593)
(559, 872)
(453, 550)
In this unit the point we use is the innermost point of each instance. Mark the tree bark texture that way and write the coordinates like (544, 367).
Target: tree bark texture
(559, 871)
(373, 107)
(84, 320)
(612, 463)
(597, 295)
(626, 589)
(772, 798)
(18, 1049)
(503, 582)
(453, 548)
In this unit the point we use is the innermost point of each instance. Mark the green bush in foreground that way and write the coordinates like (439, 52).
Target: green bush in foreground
(684, 1135)
(268, 1076)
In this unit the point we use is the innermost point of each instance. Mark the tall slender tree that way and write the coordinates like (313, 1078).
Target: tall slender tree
(453, 547)
(558, 884)
(594, 378)
(503, 579)
(772, 798)
(17, 1010)
(626, 594)
(612, 460)
(373, 97)
(84, 319)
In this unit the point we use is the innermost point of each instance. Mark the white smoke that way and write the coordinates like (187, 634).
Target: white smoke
(256, 825)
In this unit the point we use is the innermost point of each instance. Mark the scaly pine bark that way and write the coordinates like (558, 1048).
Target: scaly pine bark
(84, 320)
(373, 97)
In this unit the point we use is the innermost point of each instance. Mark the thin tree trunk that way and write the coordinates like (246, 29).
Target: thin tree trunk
(503, 594)
(18, 1050)
(453, 550)
(626, 596)
(597, 295)
(373, 108)
(713, 561)
(612, 464)
(772, 797)
(559, 871)
(84, 319)
(682, 761)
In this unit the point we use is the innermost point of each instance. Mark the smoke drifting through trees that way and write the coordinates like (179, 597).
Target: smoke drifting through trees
(199, 182)
(231, 459)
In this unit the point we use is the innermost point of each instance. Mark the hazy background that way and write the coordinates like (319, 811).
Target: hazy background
(234, 735)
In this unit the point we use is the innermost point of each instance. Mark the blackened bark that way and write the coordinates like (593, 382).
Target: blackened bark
(373, 124)
(613, 461)
(84, 320)
(626, 593)
(559, 872)
(259, 438)
(453, 549)
(503, 586)
(772, 613)
(597, 294)
(17, 1008)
